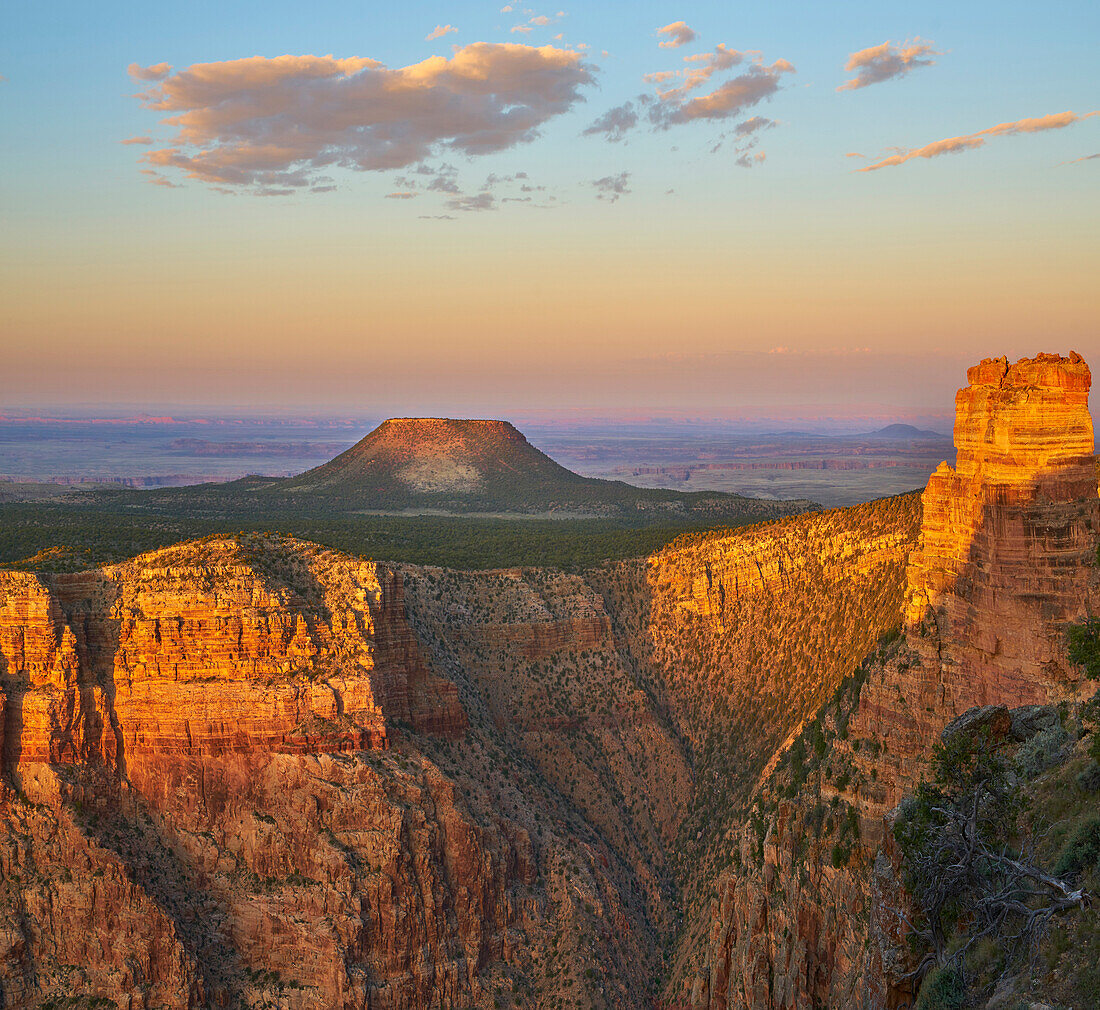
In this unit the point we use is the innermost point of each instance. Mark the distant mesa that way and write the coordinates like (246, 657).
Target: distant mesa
(900, 431)
(448, 465)
(437, 455)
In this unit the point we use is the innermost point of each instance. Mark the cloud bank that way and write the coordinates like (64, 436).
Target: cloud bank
(969, 141)
(277, 123)
(882, 63)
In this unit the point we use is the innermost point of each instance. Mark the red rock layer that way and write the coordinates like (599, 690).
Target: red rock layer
(1009, 536)
(192, 815)
(173, 655)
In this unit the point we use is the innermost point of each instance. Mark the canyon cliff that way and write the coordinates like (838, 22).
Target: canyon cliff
(249, 771)
(1004, 563)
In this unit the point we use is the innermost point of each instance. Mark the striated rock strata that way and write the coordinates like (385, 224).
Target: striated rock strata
(1008, 537)
(252, 771)
(1005, 559)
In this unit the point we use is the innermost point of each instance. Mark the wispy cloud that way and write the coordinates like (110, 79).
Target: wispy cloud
(401, 195)
(538, 21)
(439, 31)
(751, 160)
(614, 124)
(675, 35)
(479, 201)
(728, 100)
(753, 125)
(157, 72)
(154, 177)
(969, 141)
(703, 67)
(137, 140)
(884, 62)
(275, 123)
(1087, 157)
(611, 187)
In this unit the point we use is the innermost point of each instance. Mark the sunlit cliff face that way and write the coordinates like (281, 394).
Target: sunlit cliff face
(1008, 537)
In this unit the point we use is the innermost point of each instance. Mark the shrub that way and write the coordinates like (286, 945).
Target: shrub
(1042, 751)
(1083, 641)
(1089, 779)
(943, 989)
(1082, 851)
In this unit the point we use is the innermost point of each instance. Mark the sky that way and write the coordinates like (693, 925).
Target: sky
(702, 208)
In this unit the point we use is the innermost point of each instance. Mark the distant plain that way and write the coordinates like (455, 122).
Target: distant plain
(62, 506)
(144, 453)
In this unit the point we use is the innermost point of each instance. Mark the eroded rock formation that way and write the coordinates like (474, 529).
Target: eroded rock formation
(1005, 559)
(1009, 536)
(253, 772)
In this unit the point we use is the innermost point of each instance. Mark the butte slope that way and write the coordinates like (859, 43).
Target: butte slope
(465, 467)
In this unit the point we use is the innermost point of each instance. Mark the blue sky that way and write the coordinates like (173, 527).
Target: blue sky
(120, 290)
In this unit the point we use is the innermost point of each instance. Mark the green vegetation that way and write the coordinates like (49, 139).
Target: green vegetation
(32, 535)
(943, 989)
(1082, 851)
(981, 860)
(1083, 641)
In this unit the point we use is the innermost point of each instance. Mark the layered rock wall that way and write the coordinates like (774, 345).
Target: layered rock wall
(1008, 543)
(1006, 558)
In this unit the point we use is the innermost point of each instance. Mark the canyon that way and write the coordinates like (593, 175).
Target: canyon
(249, 771)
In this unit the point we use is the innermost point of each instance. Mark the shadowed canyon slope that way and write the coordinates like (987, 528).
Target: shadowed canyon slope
(249, 771)
(463, 467)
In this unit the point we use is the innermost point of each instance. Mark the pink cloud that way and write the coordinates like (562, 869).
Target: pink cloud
(439, 31)
(277, 122)
(969, 141)
(707, 65)
(157, 72)
(137, 140)
(729, 99)
(883, 62)
(676, 34)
